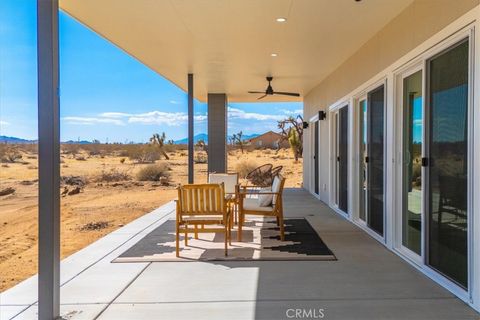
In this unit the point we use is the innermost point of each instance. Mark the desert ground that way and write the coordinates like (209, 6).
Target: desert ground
(101, 191)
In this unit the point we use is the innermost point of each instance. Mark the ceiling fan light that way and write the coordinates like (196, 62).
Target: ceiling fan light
(281, 19)
(274, 54)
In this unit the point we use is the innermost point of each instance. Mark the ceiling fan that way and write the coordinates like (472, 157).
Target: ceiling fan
(270, 92)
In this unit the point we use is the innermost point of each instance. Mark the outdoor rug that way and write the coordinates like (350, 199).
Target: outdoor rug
(261, 241)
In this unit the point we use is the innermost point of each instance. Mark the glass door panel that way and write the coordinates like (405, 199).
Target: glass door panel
(412, 162)
(375, 197)
(447, 172)
(315, 159)
(342, 158)
(362, 159)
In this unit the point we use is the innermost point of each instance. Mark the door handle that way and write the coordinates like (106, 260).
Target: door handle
(366, 159)
(425, 162)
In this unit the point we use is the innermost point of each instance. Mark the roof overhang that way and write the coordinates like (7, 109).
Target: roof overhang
(227, 44)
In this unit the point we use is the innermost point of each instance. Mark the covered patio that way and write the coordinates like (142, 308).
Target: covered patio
(213, 52)
(366, 282)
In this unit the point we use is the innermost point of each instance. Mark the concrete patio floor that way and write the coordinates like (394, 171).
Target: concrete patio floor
(367, 282)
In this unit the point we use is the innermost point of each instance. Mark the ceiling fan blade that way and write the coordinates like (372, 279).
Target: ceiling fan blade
(256, 92)
(260, 98)
(287, 93)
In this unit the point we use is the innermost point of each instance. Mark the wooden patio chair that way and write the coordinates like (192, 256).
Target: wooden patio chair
(202, 205)
(251, 206)
(230, 180)
(260, 175)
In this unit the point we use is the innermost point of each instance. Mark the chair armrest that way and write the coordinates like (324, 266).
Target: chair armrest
(263, 192)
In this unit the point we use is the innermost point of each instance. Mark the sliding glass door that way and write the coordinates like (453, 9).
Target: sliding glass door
(412, 112)
(363, 164)
(447, 162)
(371, 110)
(341, 156)
(375, 159)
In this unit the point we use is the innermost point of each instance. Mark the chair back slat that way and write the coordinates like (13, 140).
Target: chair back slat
(201, 199)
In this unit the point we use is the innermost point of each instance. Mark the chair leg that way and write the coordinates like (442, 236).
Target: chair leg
(230, 226)
(226, 238)
(240, 226)
(196, 231)
(186, 235)
(278, 222)
(282, 228)
(177, 239)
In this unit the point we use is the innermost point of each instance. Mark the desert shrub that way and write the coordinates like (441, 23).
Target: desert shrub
(77, 181)
(154, 172)
(72, 149)
(122, 160)
(200, 158)
(144, 153)
(245, 167)
(80, 158)
(94, 226)
(112, 175)
(9, 153)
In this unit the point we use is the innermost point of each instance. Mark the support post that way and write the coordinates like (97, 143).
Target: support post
(48, 161)
(217, 132)
(190, 129)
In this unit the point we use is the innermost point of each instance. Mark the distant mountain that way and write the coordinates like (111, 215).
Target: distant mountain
(15, 140)
(5, 139)
(204, 137)
(77, 142)
(196, 138)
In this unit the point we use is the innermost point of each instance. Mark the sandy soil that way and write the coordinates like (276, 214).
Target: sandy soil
(100, 207)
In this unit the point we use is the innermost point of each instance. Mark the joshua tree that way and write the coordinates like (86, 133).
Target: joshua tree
(292, 131)
(237, 139)
(159, 140)
(201, 144)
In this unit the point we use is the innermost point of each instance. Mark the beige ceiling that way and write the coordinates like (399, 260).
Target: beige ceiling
(227, 43)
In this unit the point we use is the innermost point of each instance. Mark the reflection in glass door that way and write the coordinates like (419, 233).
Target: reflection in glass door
(447, 168)
(371, 154)
(375, 159)
(316, 159)
(341, 156)
(412, 162)
(363, 159)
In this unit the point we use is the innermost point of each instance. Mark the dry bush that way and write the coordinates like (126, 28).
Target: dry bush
(200, 158)
(94, 226)
(80, 158)
(72, 149)
(154, 172)
(9, 153)
(245, 167)
(122, 160)
(77, 181)
(112, 175)
(143, 153)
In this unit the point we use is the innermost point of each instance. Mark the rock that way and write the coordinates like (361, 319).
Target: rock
(74, 191)
(7, 191)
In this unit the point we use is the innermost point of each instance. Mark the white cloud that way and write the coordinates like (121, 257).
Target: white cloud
(292, 112)
(174, 102)
(234, 113)
(148, 118)
(4, 123)
(163, 118)
(92, 121)
(114, 115)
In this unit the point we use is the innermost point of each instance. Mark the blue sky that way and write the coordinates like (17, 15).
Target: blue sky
(105, 93)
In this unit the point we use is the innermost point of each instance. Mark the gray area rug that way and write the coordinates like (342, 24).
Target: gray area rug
(261, 241)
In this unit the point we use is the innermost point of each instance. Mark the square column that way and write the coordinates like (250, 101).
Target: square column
(217, 132)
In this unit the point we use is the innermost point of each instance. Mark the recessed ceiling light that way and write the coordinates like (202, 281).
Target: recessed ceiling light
(281, 19)
(274, 54)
